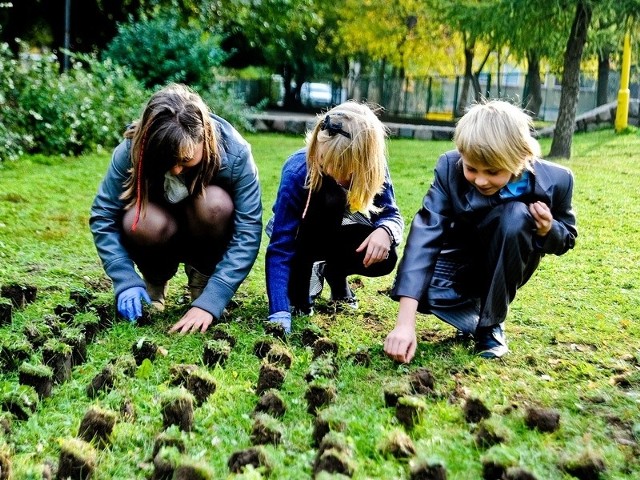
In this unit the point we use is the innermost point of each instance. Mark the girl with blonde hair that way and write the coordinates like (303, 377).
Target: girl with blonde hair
(181, 188)
(335, 214)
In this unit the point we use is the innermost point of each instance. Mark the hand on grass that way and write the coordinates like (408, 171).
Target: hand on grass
(130, 302)
(401, 344)
(192, 321)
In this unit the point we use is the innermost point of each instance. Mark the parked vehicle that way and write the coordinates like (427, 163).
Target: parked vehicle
(316, 95)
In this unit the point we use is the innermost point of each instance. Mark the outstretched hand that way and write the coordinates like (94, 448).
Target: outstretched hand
(401, 343)
(192, 321)
(130, 302)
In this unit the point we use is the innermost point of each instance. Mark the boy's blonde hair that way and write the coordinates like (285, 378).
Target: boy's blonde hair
(498, 134)
(174, 122)
(359, 152)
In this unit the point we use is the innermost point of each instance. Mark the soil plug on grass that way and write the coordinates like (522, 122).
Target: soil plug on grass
(398, 444)
(177, 409)
(474, 410)
(171, 437)
(256, 457)
(335, 455)
(5, 462)
(271, 376)
(320, 392)
(88, 323)
(219, 333)
(426, 470)
(202, 385)
(78, 343)
(587, 466)
(77, 460)
(280, 356)
(128, 410)
(179, 373)
(327, 420)
(66, 312)
(21, 402)
(6, 313)
(14, 350)
(322, 367)
(271, 402)
(144, 349)
(97, 426)
(37, 333)
(106, 313)
(102, 382)
(496, 463)
(19, 295)
(125, 364)
(261, 347)
(422, 382)
(40, 377)
(518, 473)
(165, 462)
(265, 430)
(542, 419)
(81, 297)
(361, 357)
(395, 390)
(216, 352)
(309, 335)
(54, 323)
(488, 434)
(324, 346)
(57, 355)
(190, 469)
(409, 410)
(5, 424)
(275, 330)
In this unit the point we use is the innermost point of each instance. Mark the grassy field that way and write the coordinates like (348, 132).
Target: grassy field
(574, 333)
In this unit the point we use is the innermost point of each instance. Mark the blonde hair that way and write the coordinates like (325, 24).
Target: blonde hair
(174, 122)
(498, 134)
(360, 155)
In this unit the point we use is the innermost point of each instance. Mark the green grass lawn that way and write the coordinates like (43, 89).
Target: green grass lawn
(574, 333)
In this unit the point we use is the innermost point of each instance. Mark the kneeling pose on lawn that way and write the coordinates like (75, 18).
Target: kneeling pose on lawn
(181, 187)
(493, 210)
(335, 214)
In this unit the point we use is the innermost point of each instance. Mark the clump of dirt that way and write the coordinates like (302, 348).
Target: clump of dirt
(21, 403)
(488, 435)
(168, 438)
(424, 470)
(193, 470)
(422, 382)
(219, 333)
(275, 330)
(318, 394)
(179, 373)
(361, 357)
(261, 348)
(587, 466)
(6, 313)
(216, 352)
(76, 339)
(125, 364)
(13, 351)
(335, 455)
(105, 312)
(202, 385)
(518, 473)
(409, 410)
(102, 382)
(144, 349)
(40, 377)
(395, 390)
(81, 297)
(57, 355)
(20, 295)
(279, 355)
(493, 470)
(165, 463)
(309, 335)
(322, 367)
(97, 426)
(89, 324)
(37, 333)
(475, 410)
(177, 409)
(255, 456)
(77, 459)
(265, 430)
(66, 311)
(398, 444)
(271, 376)
(5, 463)
(324, 346)
(128, 410)
(542, 419)
(271, 403)
(326, 421)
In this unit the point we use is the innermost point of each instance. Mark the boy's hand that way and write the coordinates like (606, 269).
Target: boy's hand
(401, 344)
(542, 216)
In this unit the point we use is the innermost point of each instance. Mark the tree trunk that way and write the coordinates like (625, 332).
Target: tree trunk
(468, 78)
(533, 100)
(603, 77)
(565, 125)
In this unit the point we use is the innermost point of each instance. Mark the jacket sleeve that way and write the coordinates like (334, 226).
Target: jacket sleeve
(563, 233)
(105, 222)
(287, 214)
(241, 253)
(390, 215)
(425, 238)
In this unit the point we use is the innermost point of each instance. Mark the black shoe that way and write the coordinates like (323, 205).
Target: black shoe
(491, 342)
(346, 304)
(463, 337)
(302, 310)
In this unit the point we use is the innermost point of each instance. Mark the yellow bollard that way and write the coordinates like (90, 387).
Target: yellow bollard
(622, 112)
